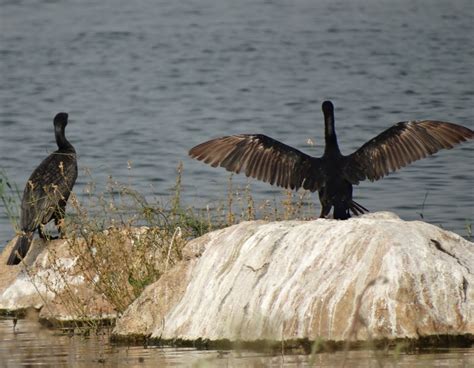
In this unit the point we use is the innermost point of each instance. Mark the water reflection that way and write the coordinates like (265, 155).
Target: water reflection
(30, 344)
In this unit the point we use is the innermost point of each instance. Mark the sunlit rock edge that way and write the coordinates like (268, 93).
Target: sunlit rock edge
(372, 277)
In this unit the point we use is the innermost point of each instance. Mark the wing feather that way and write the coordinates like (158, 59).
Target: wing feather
(263, 158)
(400, 145)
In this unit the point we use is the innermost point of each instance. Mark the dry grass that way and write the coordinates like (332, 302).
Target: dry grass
(121, 242)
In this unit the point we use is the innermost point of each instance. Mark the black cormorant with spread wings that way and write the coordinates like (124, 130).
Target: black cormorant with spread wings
(47, 191)
(333, 174)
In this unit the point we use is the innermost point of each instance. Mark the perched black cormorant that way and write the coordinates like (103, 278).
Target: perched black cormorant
(333, 174)
(46, 191)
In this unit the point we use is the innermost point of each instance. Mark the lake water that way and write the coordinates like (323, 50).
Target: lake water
(144, 82)
(32, 345)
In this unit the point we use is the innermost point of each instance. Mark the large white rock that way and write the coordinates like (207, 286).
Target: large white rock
(374, 276)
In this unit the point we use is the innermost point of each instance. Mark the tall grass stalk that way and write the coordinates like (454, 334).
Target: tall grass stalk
(10, 197)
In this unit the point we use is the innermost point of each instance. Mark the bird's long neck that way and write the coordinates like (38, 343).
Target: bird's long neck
(61, 141)
(330, 135)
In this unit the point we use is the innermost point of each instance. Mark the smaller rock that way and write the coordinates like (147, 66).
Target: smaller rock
(48, 280)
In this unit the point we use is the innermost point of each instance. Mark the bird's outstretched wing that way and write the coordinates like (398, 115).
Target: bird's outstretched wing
(263, 158)
(400, 145)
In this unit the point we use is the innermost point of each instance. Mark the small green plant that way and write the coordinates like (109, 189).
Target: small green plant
(423, 206)
(468, 229)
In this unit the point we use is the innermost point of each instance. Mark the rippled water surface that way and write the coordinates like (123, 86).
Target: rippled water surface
(32, 345)
(145, 81)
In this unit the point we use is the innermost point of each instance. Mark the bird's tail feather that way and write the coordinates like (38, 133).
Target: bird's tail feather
(357, 209)
(20, 249)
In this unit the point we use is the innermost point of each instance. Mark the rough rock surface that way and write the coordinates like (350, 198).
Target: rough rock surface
(375, 276)
(49, 281)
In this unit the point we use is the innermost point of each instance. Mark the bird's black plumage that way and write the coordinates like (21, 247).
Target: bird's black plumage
(47, 191)
(333, 174)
